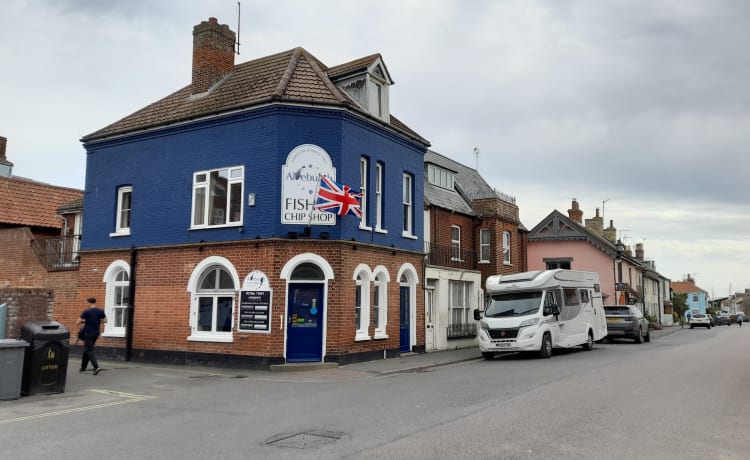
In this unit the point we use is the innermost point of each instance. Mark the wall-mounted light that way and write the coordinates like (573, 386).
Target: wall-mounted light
(251, 199)
(292, 235)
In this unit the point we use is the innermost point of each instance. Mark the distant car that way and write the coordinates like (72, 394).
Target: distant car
(700, 320)
(721, 320)
(627, 321)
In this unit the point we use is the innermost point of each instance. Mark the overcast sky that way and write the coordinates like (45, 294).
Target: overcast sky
(642, 103)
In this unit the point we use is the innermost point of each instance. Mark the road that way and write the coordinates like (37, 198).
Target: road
(682, 396)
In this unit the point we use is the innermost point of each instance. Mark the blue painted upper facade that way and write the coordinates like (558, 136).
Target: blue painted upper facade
(159, 164)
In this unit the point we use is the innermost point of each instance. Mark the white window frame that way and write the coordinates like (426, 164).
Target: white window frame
(121, 227)
(210, 263)
(362, 277)
(484, 247)
(379, 198)
(111, 299)
(461, 307)
(364, 170)
(506, 248)
(380, 301)
(201, 186)
(407, 201)
(455, 243)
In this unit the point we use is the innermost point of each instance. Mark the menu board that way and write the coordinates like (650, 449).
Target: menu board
(255, 311)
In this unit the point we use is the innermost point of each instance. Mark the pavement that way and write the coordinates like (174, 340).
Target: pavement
(136, 379)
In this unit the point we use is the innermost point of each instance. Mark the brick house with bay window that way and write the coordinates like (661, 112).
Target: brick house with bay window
(202, 240)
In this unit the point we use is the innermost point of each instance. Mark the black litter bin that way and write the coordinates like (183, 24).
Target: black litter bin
(45, 366)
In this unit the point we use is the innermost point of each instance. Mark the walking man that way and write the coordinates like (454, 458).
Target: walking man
(91, 318)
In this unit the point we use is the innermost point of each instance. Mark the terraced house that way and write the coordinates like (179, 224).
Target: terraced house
(203, 239)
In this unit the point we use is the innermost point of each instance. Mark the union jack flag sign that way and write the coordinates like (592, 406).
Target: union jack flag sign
(336, 198)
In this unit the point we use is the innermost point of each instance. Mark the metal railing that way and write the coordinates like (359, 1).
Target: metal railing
(446, 256)
(57, 254)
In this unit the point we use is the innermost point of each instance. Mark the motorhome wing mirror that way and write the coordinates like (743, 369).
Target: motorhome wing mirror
(477, 314)
(551, 310)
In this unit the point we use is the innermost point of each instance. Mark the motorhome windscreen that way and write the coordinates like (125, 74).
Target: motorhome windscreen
(513, 304)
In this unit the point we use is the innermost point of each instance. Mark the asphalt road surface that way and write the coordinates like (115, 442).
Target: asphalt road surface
(682, 396)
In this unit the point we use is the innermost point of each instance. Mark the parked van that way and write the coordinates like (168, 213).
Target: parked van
(540, 310)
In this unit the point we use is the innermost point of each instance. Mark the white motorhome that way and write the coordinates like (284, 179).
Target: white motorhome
(537, 311)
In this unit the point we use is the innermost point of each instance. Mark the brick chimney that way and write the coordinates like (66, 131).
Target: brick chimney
(639, 251)
(574, 213)
(213, 54)
(610, 233)
(6, 167)
(596, 224)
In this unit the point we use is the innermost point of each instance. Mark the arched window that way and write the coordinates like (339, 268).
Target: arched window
(362, 302)
(307, 272)
(214, 284)
(215, 301)
(117, 298)
(380, 302)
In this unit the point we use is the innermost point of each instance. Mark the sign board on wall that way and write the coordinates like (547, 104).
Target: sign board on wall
(300, 177)
(255, 304)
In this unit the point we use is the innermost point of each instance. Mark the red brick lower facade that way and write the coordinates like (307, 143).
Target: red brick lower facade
(163, 329)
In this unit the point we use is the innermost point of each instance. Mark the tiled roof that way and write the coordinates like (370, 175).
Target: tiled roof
(76, 205)
(684, 286)
(24, 202)
(291, 76)
(357, 65)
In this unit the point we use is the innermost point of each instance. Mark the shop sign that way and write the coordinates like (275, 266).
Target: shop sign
(255, 304)
(300, 176)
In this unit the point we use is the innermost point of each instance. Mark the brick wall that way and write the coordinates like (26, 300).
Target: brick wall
(162, 301)
(19, 266)
(25, 305)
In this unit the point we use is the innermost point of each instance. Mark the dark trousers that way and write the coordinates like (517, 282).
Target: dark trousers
(88, 354)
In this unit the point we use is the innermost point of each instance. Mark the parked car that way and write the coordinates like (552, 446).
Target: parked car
(700, 320)
(721, 320)
(627, 321)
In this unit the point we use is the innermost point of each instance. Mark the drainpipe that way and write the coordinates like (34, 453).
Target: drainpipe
(131, 307)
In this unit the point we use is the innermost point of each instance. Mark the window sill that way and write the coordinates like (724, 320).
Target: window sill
(507, 264)
(210, 338)
(381, 230)
(361, 338)
(113, 334)
(122, 233)
(213, 227)
(484, 262)
(409, 235)
(380, 336)
(365, 228)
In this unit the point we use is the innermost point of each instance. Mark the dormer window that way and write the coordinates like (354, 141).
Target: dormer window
(366, 81)
(440, 177)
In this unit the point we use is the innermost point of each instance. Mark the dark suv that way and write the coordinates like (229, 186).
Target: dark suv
(627, 321)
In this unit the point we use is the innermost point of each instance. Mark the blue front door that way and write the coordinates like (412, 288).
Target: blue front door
(404, 319)
(304, 332)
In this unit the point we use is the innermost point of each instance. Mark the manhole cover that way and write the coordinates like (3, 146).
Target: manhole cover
(305, 440)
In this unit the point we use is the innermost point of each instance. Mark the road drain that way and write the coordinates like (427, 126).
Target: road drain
(304, 440)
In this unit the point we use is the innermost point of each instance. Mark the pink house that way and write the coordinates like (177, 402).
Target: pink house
(560, 241)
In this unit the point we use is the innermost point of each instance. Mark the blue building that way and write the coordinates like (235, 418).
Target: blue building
(200, 229)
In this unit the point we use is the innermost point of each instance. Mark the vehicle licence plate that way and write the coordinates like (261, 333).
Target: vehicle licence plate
(502, 345)
(614, 320)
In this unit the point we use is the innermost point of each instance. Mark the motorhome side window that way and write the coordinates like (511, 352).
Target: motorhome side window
(571, 297)
(552, 298)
